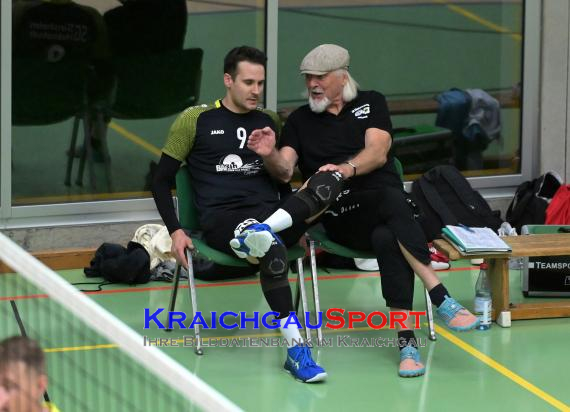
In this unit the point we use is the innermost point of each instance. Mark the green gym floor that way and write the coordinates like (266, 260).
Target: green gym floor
(521, 368)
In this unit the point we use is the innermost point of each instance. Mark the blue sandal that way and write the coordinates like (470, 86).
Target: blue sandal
(449, 310)
(409, 352)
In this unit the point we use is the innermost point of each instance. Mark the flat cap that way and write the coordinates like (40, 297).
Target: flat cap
(325, 58)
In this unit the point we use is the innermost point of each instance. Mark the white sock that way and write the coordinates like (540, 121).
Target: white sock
(280, 220)
(290, 333)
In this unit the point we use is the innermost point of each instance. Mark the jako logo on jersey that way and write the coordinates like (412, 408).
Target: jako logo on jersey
(362, 112)
(216, 132)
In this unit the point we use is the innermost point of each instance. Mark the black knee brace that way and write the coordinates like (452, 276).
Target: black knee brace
(273, 267)
(274, 281)
(322, 189)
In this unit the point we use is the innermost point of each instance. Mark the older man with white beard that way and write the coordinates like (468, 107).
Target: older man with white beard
(348, 132)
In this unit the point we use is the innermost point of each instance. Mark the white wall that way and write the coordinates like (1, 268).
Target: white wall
(554, 141)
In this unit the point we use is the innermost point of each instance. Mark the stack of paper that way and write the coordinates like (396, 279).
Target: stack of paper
(473, 240)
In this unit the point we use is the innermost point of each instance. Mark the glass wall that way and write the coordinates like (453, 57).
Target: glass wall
(414, 52)
(97, 83)
(111, 88)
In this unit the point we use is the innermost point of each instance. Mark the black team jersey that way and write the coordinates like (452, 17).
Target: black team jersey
(226, 175)
(321, 138)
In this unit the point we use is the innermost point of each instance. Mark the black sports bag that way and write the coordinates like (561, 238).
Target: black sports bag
(445, 197)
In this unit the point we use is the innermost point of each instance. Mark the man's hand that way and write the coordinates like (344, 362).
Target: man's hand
(180, 241)
(262, 141)
(344, 169)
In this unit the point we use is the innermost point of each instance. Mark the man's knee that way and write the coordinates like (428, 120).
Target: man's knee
(321, 190)
(274, 265)
(383, 240)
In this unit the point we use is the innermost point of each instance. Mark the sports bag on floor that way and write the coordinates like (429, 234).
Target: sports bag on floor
(531, 199)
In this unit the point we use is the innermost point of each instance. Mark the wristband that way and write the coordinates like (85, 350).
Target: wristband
(353, 167)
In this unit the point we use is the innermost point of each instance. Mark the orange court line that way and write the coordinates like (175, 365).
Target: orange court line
(214, 285)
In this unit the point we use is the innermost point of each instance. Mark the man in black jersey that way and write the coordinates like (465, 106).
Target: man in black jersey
(231, 184)
(347, 131)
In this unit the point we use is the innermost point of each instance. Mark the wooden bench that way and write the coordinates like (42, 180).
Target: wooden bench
(506, 99)
(530, 245)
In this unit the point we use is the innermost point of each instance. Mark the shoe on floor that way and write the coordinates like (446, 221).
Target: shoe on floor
(410, 363)
(439, 265)
(438, 260)
(301, 365)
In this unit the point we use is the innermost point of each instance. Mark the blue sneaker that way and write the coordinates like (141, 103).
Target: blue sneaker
(455, 316)
(253, 239)
(413, 368)
(301, 365)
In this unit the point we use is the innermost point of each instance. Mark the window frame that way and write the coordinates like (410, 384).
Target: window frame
(110, 211)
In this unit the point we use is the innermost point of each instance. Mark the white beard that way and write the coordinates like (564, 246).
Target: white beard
(319, 106)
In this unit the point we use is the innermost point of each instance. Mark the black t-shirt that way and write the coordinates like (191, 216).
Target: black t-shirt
(226, 175)
(321, 138)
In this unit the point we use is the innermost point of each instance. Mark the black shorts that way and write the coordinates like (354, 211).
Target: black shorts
(376, 220)
(353, 217)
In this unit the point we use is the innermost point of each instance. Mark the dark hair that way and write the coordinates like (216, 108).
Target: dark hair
(240, 54)
(22, 349)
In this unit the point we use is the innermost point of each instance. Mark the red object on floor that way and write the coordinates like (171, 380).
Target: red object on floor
(558, 211)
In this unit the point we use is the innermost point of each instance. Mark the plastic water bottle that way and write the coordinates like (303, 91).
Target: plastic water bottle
(515, 263)
(483, 302)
